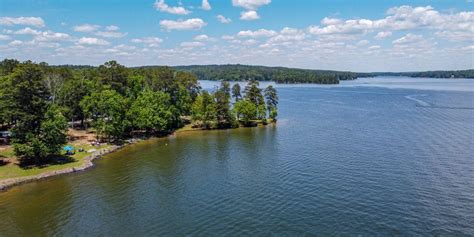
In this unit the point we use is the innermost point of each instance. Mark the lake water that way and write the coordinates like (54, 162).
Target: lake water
(377, 156)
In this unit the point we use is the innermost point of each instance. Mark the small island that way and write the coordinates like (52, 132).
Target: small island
(57, 119)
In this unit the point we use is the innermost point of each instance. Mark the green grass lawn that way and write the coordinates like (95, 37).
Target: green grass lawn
(12, 170)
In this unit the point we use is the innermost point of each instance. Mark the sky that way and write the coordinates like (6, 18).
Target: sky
(358, 35)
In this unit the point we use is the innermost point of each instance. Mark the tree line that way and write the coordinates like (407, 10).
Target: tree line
(37, 101)
(428, 74)
(261, 73)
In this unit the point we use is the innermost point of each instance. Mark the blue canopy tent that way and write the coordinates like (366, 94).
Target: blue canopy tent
(69, 149)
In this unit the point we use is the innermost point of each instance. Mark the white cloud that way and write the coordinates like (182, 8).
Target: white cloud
(363, 43)
(383, 35)
(203, 38)
(205, 5)
(15, 43)
(49, 36)
(29, 21)
(250, 4)
(374, 47)
(470, 47)
(398, 18)
(27, 31)
(86, 28)
(408, 39)
(112, 28)
(191, 44)
(223, 19)
(92, 41)
(149, 41)
(249, 15)
(335, 26)
(249, 42)
(288, 35)
(330, 21)
(5, 37)
(110, 34)
(455, 35)
(227, 37)
(257, 33)
(161, 6)
(189, 24)
(251, 7)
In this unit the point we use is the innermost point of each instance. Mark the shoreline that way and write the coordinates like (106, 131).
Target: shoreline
(6, 184)
(88, 163)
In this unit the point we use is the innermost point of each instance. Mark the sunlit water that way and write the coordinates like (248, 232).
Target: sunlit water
(367, 157)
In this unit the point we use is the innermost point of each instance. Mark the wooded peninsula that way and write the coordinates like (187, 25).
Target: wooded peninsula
(116, 103)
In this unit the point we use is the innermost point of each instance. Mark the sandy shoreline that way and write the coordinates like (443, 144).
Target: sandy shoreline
(88, 163)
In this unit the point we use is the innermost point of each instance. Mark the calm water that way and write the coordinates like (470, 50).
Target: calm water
(367, 157)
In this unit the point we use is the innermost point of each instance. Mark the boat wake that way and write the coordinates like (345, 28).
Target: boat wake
(424, 104)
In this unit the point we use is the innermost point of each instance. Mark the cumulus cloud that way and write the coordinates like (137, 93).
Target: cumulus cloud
(189, 24)
(408, 39)
(257, 33)
(92, 41)
(85, 28)
(251, 7)
(374, 47)
(205, 5)
(49, 36)
(112, 28)
(27, 31)
(191, 44)
(163, 7)
(398, 18)
(111, 34)
(147, 40)
(4, 37)
(27, 21)
(223, 19)
(203, 38)
(249, 15)
(250, 4)
(383, 35)
(15, 43)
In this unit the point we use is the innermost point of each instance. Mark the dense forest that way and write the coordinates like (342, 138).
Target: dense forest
(428, 74)
(116, 102)
(261, 73)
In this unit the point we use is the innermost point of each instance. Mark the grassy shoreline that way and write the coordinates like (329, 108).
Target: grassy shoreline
(12, 175)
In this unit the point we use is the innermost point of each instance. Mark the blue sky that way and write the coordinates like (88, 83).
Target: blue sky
(326, 34)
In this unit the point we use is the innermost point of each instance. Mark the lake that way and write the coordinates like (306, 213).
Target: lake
(375, 156)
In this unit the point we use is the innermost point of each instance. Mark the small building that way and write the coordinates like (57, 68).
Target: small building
(5, 137)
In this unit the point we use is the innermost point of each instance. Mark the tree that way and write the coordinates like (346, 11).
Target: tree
(115, 75)
(272, 102)
(47, 141)
(26, 99)
(204, 110)
(151, 111)
(7, 66)
(225, 119)
(54, 130)
(246, 109)
(71, 95)
(254, 95)
(54, 82)
(107, 109)
(236, 92)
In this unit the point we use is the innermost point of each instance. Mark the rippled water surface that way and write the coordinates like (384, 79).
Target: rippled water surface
(360, 158)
